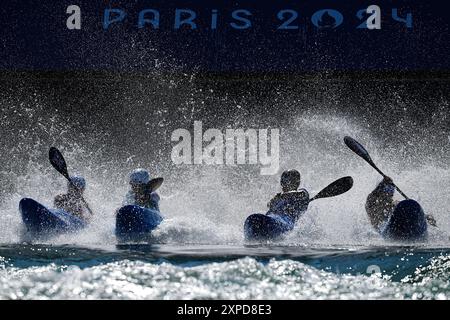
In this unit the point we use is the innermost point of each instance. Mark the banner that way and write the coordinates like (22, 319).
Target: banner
(224, 36)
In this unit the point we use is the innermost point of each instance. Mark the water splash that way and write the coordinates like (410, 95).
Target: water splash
(207, 204)
(245, 278)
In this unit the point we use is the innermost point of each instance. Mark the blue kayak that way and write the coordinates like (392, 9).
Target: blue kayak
(134, 223)
(267, 226)
(39, 220)
(407, 223)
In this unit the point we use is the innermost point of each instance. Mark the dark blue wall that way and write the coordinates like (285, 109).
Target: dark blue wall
(33, 36)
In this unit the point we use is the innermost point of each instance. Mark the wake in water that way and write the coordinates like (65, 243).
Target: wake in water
(41, 273)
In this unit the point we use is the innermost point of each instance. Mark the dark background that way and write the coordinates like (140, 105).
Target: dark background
(135, 113)
(33, 36)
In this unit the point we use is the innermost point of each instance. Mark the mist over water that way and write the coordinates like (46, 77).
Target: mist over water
(108, 126)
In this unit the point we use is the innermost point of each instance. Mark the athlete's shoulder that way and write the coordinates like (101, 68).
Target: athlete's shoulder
(303, 192)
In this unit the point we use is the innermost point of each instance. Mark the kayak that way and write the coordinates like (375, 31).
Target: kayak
(39, 220)
(407, 223)
(135, 223)
(267, 226)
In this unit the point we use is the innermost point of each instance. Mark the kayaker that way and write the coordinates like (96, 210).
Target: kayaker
(380, 204)
(291, 202)
(140, 194)
(72, 201)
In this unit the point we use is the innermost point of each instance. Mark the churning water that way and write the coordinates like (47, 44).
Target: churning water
(199, 251)
(222, 272)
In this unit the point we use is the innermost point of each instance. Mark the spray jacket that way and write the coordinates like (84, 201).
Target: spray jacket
(291, 204)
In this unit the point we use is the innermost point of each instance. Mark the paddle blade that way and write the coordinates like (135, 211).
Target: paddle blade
(58, 162)
(155, 184)
(338, 187)
(357, 148)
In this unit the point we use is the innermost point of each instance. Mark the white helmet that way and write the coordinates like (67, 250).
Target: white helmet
(139, 176)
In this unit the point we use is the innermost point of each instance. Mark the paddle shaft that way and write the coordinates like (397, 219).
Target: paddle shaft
(315, 198)
(82, 198)
(385, 176)
(357, 148)
(61, 167)
(87, 206)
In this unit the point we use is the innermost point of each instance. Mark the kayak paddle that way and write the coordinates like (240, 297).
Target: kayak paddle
(336, 188)
(59, 163)
(154, 184)
(357, 148)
